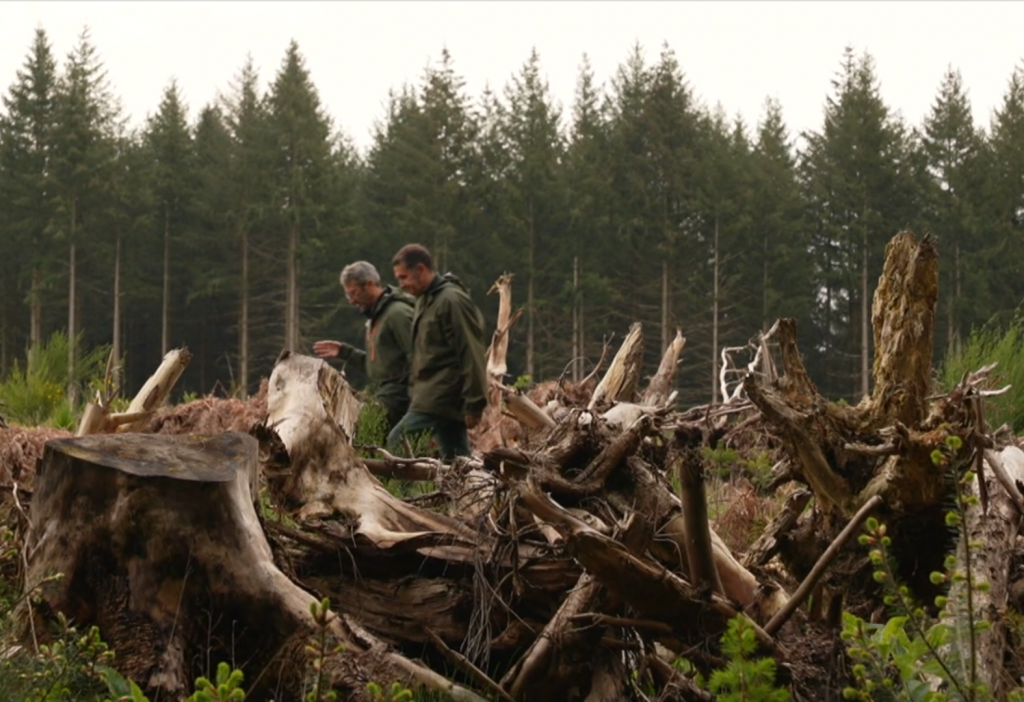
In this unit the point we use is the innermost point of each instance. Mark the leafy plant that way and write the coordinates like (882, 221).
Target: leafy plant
(901, 659)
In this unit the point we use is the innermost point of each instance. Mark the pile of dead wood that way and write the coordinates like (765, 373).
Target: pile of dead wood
(572, 557)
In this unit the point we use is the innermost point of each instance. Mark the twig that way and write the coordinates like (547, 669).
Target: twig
(783, 615)
(606, 344)
(24, 564)
(625, 622)
(463, 663)
(887, 449)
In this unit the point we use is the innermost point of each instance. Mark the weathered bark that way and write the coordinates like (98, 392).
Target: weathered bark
(822, 437)
(903, 316)
(982, 655)
(660, 388)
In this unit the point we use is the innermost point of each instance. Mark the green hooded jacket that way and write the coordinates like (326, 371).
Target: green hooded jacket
(388, 346)
(449, 369)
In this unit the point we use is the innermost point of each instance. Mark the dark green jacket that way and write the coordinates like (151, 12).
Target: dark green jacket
(388, 346)
(449, 369)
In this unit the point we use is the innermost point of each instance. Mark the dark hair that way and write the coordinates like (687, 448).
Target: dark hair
(412, 255)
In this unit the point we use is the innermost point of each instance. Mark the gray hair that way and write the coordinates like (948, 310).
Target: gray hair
(360, 273)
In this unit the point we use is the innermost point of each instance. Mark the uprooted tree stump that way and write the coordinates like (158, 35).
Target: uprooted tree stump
(884, 445)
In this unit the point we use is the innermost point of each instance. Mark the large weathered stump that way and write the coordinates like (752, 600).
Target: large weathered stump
(158, 544)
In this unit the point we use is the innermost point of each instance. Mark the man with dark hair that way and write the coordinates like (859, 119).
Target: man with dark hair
(388, 338)
(448, 380)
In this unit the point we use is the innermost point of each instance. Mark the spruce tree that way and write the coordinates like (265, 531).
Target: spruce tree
(952, 146)
(87, 119)
(532, 140)
(777, 209)
(300, 132)
(251, 202)
(170, 144)
(858, 176)
(1002, 256)
(585, 172)
(26, 144)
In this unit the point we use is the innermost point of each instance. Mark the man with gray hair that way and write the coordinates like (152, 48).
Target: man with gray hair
(388, 351)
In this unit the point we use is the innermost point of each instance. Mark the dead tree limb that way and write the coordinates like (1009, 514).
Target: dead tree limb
(155, 390)
(808, 584)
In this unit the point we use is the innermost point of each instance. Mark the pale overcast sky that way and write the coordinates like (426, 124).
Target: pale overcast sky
(733, 53)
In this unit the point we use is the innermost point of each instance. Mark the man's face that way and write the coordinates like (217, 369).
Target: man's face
(412, 280)
(362, 296)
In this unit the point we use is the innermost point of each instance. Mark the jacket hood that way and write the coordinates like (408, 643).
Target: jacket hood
(450, 279)
(390, 294)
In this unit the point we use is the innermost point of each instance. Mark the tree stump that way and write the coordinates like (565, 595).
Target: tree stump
(158, 544)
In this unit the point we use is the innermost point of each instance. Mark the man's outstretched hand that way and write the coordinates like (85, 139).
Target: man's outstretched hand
(327, 349)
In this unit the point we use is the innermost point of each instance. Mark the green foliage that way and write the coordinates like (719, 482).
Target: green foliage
(745, 679)
(396, 693)
(68, 669)
(371, 428)
(320, 650)
(523, 382)
(899, 659)
(1005, 347)
(36, 395)
(727, 462)
(227, 689)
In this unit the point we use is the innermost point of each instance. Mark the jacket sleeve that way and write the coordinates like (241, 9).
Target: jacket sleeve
(468, 332)
(350, 354)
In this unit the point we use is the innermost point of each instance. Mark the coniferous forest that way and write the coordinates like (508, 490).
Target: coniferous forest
(223, 227)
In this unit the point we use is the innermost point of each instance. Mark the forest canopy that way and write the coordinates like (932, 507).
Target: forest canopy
(222, 227)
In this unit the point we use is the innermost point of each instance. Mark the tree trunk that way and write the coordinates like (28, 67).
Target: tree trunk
(764, 285)
(665, 305)
(243, 322)
(165, 307)
(576, 355)
(865, 349)
(35, 302)
(115, 349)
(291, 337)
(72, 320)
(531, 311)
(714, 322)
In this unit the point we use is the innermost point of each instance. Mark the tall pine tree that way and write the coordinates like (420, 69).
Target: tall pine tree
(301, 135)
(26, 137)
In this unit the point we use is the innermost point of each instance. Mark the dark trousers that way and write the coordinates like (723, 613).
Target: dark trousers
(449, 434)
(395, 409)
